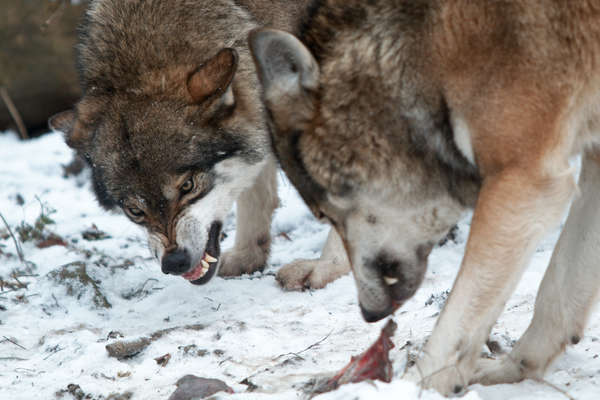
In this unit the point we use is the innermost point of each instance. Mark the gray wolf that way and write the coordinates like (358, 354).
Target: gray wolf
(173, 129)
(392, 117)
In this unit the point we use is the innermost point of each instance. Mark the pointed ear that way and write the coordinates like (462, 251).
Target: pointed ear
(213, 77)
(63, 121)
(67, 122)
(283, 62)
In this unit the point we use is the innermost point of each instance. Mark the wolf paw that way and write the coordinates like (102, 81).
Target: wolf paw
(309, 274)
(448, 381)
(246, 260)
(448, 375)
(502, 370)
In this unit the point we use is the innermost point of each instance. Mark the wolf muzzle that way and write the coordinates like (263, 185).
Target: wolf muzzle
(176, 262)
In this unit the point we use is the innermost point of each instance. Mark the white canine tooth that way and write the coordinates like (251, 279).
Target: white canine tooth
(204, 264)
(209, 258)
(390, 281)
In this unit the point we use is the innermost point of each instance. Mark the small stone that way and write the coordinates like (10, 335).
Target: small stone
(127, 348)
(192, 387)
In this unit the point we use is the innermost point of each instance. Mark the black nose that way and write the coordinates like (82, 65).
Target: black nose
(176, 262)
(374, 316)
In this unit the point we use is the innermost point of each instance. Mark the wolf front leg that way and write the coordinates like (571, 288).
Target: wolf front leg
(567, 292)
(316, 274)
(515, 208)
(255, 209)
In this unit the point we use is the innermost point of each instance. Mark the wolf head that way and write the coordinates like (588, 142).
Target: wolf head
(167, 122)
(345, 131)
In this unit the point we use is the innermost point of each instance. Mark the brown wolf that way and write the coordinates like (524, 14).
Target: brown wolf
(172, 126)
(391, 117)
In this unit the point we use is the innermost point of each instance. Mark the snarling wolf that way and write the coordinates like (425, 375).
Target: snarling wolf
(392, 117)
(173, 129)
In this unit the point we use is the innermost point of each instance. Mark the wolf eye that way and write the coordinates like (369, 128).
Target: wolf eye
(187, 186)
(135, 212)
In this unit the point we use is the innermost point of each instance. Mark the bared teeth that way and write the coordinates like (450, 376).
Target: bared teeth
(390, 281)
(209, 258)
(201, 269)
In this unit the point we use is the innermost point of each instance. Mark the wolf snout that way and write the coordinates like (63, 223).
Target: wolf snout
(388, 282)
(376, 315)
(176, 262)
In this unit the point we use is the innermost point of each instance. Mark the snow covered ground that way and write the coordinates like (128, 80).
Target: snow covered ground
(62, 305)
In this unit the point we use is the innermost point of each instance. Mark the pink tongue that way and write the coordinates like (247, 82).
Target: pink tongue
(193, 274)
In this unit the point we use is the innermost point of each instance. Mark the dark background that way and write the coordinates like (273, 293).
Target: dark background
(37, 66)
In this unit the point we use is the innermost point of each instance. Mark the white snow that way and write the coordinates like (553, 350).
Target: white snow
(251, 328)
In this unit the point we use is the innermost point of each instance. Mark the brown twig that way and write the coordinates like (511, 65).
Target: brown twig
(285, 236)
(13, 287)
(14, 113)
(553, 386)
(53, 351)
(262, 370)
(56, 13)
(297, 354)
(17, 245)
(21, 284)
(13, 342)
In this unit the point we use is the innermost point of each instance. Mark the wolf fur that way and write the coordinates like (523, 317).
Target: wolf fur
(392, 117)
(173, 129)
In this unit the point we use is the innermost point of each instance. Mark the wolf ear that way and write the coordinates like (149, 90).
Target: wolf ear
(66, 122)
(282, 61)
(213, 77)
(63, 121)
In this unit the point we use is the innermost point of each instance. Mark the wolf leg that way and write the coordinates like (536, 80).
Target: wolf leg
(316, 274)
(567, 292)
(515, 208)
(255, 209)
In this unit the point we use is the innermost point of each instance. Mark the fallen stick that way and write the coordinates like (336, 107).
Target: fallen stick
(14, 113)
(130, 347)
(17, 245)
